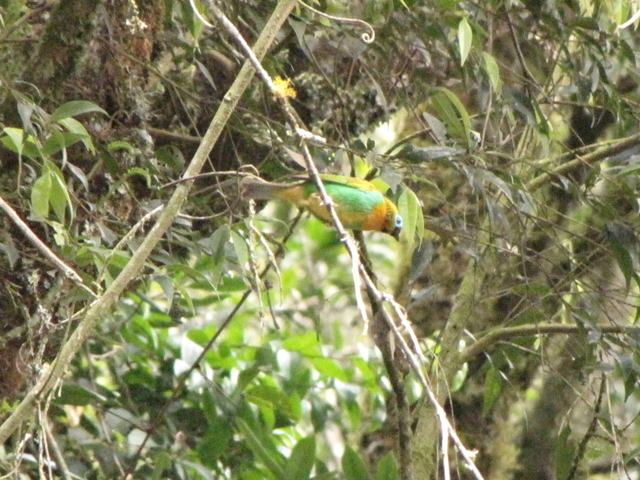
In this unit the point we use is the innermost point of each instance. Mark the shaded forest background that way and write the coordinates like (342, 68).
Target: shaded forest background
(507, 133)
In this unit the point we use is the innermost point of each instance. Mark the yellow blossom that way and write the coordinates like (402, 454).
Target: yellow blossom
(283, 87)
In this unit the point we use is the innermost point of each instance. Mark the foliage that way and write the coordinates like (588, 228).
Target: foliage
(505, 132)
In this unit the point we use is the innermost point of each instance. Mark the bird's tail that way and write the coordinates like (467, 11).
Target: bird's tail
(256, 188)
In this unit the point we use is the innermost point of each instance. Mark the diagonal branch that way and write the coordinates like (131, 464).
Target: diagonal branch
(385, 343)
(499, 334)
(588, 159)
(102, 305)
(40, 245)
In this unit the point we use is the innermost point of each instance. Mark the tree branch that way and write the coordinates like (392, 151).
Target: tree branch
(587, 160)
(495, 336)
(582, 447)
(384, 341)
(173, 136)
(40, 245)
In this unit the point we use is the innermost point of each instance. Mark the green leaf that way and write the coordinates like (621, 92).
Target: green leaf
(492, 389)
(215, 441)
(218, 240)
(499, 183)
(360, 166)
(454, 114)
(13, 140)
(217, 243)
(11, 252)
(240, 247)
(387, 468)
(462, 112)
(193, 21)
(140, 172)
(411, 211)
(493, 72)
(623, 245)
(301, 461)
(73, 394)
(120, 145)
(624, 261)
(75, 127)
(246, 376)
(465, 36)
(59, 141)
(329, 368)
(79, 174)
(75, 108)
(261, 447)
(353, 467)
(305, 344)
(459, 378)
(365, 370)
(161, 462)
(629, 370)
(31, 148)
(437, 127)
(563, 453)
(59, 197)
(273, 398)
(40, 193)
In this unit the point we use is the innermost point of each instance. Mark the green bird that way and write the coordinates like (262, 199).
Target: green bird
(358, 203)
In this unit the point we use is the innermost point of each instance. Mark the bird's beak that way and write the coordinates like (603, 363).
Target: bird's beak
(395, 233)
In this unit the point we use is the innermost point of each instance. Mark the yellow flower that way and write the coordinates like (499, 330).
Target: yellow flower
(283, 87)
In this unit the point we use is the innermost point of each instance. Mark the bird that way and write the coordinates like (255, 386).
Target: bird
(358, 203)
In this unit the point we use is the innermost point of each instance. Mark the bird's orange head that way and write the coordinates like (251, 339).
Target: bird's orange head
(393, 220)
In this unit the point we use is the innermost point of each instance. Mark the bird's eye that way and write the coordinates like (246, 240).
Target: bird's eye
(398, 221)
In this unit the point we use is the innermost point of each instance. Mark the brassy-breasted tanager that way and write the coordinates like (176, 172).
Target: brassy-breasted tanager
(358, 203)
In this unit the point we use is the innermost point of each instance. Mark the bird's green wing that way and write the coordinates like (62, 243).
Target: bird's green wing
(354, 182)
(354, 206)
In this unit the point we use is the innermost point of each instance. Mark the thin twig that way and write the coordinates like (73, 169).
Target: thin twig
(531, 79)
(385, 342)
(169, 135)
(293, 119)
(126, 237)
(406, 139)
(366, 37)
(582, 447)
(233, 173)
(634, 18)
(40, 245)
(57, 453)
(447, 430)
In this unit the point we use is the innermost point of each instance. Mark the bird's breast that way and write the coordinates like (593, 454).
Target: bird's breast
(376, 219)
